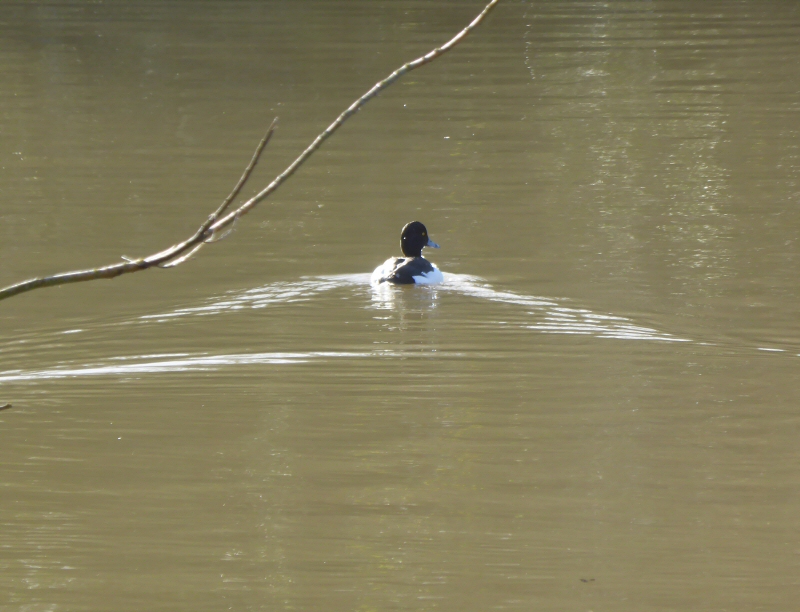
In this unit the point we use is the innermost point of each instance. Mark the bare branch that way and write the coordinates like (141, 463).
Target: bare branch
(178, 253)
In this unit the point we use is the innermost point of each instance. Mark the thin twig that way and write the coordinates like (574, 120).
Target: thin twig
(231, 197)
(228, 232)
(178, 261)
(176, 252)
(246, 174)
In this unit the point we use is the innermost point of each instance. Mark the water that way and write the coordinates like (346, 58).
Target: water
(597, 409)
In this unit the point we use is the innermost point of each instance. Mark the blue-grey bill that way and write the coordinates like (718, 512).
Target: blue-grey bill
(432, 244)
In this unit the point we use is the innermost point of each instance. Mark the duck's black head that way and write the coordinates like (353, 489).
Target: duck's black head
(414, 238)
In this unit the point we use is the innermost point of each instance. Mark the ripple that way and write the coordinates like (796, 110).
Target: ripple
(184, 363)
(552, 317)
(540, 314)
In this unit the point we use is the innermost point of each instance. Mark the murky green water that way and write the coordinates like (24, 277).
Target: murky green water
(597, 411)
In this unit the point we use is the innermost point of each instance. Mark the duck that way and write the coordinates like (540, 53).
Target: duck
(413, 268)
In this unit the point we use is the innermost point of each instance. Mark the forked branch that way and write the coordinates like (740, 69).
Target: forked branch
(178, 253)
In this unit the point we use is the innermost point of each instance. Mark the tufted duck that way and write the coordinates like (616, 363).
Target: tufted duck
(413, 268)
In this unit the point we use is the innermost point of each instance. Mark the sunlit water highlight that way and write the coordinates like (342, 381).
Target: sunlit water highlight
(552, 317)
(544, 315)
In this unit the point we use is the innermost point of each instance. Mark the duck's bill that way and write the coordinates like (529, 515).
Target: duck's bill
(432, 244)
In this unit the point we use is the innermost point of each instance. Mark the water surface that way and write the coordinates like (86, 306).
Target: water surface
(596, 411)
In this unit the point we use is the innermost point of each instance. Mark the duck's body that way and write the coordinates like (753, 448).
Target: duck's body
(407, 271)
(413, 268)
